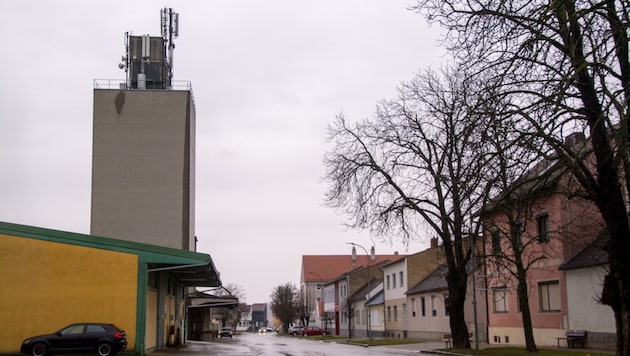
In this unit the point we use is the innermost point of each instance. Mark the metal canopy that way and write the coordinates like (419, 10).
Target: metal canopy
(191, 268)
(201, 300)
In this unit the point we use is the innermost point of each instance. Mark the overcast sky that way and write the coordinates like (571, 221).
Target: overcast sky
(267, 77)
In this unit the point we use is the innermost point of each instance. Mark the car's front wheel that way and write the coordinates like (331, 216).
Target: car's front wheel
(39, 349)
(105, 349)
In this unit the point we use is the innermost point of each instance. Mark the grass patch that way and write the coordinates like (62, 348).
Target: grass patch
(522, 352)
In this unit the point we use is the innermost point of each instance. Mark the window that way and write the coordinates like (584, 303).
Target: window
(95, 329)
(423, 309)
(549, 296)
(446, 301)
(433, 306)
(73, 330)
(413, 307)
(495, 235)
(389, 313)
(393, 280)
(395, 312)
(387, 281)
(499, 299)
(401, 278)
(542, 223)
(518, 230)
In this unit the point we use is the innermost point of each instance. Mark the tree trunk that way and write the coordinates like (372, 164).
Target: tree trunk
(457, 279)
(608, 195)
(523, 300)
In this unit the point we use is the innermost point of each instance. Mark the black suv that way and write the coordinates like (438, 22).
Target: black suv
(105, 339)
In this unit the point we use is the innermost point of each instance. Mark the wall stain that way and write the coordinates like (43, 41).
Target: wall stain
(119, 102)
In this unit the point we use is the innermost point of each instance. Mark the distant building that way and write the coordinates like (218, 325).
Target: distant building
(320, 270)
(259, 316)
(143, 154)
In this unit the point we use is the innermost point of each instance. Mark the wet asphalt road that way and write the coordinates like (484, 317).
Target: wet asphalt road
(271, 344)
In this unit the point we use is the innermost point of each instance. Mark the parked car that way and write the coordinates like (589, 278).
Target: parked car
(295, 330)
(226, 331)
(312, 331)
(105, 339)
(270, 329)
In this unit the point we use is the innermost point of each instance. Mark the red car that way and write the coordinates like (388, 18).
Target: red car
(313, 331)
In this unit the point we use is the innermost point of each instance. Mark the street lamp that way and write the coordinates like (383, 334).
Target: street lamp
(321, 287)
(371, 256)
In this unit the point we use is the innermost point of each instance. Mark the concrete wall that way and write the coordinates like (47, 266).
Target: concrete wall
(584, 288)
(143, 167)
(46, 285)
(427, 325)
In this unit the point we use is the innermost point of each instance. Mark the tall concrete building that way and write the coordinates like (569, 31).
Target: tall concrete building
(143, 159)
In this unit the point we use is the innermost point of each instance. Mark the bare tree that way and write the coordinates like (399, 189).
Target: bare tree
(567, 65)
(305, 305)
(230, 316)
(283, 304)
(416, 167)
(329, 316)
(348, 307)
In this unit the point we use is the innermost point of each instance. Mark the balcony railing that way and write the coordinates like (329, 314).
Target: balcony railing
(121, 84)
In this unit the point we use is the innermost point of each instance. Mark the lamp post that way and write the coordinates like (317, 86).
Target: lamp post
(321, 287)
(371, 256)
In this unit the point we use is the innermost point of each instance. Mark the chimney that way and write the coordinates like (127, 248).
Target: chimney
(434, 242)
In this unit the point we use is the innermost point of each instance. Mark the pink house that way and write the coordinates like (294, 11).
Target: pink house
(544, 225)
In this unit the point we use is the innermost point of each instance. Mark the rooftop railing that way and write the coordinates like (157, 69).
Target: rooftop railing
(121, 84)
(126, 85)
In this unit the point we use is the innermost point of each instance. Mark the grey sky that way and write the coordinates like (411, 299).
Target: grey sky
(267, 77)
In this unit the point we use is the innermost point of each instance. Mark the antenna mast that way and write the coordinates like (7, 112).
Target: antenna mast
(170, 31)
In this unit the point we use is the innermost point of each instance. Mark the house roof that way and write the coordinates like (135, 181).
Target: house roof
(436, 280)
(190, 268)
(377, 299)
(259, 307)
(593, 254)
(363, 291)
(329, 267)
(542, 177)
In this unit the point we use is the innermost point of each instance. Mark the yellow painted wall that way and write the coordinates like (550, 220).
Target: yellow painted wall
(46, 285)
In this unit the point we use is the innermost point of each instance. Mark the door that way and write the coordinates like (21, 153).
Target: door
(69, 338)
